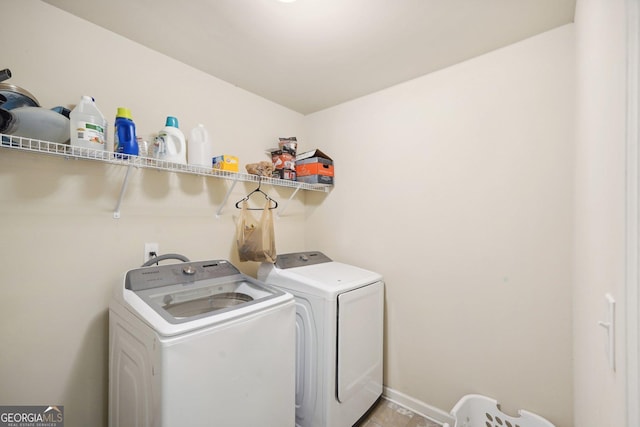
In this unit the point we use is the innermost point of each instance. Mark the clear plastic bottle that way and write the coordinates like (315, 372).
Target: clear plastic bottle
(88, 127)
(199, 147)
(143, 147)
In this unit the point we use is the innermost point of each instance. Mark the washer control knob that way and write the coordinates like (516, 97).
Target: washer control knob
(189, 269)
(304, 258)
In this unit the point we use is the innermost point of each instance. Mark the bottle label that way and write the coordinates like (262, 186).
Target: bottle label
(90, 132)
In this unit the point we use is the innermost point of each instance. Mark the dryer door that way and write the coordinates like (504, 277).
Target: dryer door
(360, 333)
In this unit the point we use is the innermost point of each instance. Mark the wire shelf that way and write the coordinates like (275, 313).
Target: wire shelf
(70, 152)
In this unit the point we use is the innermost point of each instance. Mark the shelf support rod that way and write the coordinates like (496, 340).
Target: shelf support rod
(226, 197)
(284, 208)
(116, 212)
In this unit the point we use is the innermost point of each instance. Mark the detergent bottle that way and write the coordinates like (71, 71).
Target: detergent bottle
(124, 138)
(170, 145)
(199, 147)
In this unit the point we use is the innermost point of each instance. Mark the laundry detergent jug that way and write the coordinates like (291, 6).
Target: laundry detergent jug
(170, 144)
(124, 138)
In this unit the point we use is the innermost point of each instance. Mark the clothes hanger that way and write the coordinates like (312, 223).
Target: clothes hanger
(257, 190)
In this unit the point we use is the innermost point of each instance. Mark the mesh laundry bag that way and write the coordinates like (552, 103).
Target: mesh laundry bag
(480, 411)
(256, 240)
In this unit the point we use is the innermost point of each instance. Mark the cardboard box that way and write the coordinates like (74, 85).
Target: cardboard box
(312, 163)
(318, 168)
(225, 163)
(316, 179)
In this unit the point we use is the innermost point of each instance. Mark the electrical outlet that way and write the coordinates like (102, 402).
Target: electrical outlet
(148, 249)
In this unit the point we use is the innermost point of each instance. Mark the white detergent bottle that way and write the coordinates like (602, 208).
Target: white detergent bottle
(173, 142)
(88, 126)
(199, 147)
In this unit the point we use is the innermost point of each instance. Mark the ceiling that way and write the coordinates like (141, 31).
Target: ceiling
(312, 54)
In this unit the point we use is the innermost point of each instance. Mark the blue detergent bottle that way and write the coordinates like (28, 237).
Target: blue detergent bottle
(124, 137)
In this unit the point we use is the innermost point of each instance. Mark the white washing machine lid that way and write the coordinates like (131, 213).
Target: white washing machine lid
(315, 273)
(178, 298)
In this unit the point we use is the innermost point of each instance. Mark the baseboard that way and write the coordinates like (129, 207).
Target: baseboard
(430, 412)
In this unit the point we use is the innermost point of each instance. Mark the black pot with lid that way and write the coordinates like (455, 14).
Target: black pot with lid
(12, 96)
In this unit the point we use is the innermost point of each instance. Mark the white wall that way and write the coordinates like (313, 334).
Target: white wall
(457, 187)
(62, 252)
(600, 209)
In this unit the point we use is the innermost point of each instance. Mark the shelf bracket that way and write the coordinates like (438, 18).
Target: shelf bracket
(226, 197)
(284, 208)
(116, 212)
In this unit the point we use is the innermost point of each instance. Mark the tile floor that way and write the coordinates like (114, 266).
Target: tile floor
(388, 414)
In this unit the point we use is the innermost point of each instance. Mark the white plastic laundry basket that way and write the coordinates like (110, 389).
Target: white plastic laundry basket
(474, 410)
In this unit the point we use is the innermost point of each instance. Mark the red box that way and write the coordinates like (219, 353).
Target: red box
(306, 169)
(314, 162)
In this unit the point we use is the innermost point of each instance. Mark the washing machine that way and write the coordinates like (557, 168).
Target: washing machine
(200, 344)
(339, 333)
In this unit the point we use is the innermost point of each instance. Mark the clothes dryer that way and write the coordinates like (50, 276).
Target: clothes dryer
(339, 334)
(200, 344)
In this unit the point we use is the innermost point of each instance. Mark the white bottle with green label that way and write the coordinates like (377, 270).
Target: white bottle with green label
(88, 125)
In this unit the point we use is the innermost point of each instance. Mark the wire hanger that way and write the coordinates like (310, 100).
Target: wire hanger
(257, 190)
